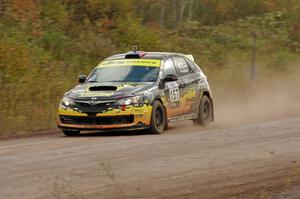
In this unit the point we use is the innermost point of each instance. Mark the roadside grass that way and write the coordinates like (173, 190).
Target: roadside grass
(36, 71)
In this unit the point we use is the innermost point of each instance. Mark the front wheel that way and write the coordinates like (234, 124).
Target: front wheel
(71, 132)
(205, 112)
(158, 118)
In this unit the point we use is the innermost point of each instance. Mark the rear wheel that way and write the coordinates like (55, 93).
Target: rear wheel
(71, 132)
(158, 118)
(205, 112)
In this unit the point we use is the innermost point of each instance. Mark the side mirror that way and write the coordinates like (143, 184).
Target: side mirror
(170, 78)
(82, 78)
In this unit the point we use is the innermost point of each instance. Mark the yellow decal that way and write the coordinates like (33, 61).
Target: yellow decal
(70, 112)
(131, 62)
(95, 94)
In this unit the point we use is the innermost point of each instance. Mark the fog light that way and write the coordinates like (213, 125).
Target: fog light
(140, 124)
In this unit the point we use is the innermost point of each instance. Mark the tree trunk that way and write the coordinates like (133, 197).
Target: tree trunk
(191, 10)
(162, 14)
(182, 9)
(142, 11)
(2, 7)
(174, 13)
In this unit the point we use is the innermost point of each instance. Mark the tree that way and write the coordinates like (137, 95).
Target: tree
(191, 5)
(162, 13)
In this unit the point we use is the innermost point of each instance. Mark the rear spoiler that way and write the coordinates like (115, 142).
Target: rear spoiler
(190, 57)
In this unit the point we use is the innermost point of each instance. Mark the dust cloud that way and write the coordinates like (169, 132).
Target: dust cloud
(271, 98)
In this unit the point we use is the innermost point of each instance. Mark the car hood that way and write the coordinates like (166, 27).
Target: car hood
(108, 90)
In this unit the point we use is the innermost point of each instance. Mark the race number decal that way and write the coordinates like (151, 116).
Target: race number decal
(174, 94)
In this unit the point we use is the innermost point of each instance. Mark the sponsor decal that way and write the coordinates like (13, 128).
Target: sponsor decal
(131, 62)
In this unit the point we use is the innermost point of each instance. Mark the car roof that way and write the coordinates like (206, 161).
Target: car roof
(148, 55)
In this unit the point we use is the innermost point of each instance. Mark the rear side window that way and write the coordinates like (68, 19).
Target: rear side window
(169, 67)
(193, 66)
(182, 66)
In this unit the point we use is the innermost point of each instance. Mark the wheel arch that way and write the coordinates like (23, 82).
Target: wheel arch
(159, 98)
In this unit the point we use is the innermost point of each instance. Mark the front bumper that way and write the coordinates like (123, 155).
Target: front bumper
(131, 118)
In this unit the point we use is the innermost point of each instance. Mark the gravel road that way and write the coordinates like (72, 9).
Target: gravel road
(259, 160)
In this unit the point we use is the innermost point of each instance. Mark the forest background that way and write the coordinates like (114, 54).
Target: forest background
(46, 44)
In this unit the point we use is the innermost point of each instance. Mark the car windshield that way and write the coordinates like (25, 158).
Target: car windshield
(124, 72)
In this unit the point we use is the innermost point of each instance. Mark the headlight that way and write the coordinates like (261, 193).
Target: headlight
(67, 101)
(128, 101)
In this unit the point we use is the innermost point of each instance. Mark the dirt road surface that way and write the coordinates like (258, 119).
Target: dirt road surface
(250, 161)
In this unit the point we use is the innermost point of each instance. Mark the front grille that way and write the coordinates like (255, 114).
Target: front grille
(90, 106)
(101, 120)
(85, 106)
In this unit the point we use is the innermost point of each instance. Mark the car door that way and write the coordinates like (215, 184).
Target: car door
(187, 85)
(171, 90)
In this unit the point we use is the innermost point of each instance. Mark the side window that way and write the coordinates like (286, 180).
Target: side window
(182, 66)
(169, 67)
(194, 66)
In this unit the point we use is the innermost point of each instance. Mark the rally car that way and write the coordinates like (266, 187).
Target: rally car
(138, 90)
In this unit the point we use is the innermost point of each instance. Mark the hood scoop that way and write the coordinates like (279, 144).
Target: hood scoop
(103, 88)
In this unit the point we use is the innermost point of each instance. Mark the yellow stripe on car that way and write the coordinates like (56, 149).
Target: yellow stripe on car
(70, 112)
(131, 62)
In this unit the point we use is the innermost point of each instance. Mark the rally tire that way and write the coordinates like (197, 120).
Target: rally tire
(158, 118)
(71, 133)
(166, 119)
(205, 112)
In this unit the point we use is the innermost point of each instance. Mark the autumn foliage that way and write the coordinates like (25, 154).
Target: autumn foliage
(45, 45)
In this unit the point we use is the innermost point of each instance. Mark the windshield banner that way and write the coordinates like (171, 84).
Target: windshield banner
(131, 62)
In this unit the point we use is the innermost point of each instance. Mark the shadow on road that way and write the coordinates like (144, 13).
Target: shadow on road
(109, 133)
(113, 133)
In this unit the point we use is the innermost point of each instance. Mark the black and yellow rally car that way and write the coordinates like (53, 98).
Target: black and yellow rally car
(137, 90)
